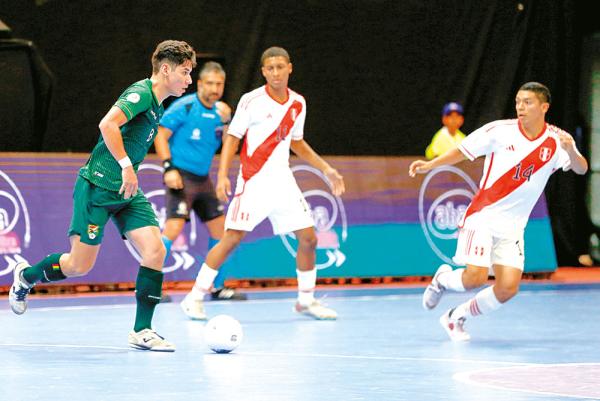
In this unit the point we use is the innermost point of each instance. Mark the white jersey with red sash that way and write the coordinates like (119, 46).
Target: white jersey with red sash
(515, 172)
(268, 128)
(266, 186)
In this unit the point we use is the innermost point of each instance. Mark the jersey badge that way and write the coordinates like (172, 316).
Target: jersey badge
(545, 154)
(133, 97)
(196, 134)
(92, 231)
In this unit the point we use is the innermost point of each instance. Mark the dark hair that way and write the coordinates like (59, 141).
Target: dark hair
(175, 52)
(274, 52)
(211, 66)
(541, 91)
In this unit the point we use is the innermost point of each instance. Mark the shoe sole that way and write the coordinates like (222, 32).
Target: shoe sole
(234, 298)
(142, 348)
(312, 316)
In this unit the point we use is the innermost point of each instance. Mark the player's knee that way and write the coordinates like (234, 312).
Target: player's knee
(232, 239)
(76, 268)
(504, 292)
(156, 255)
(308, 241)
(474, 278)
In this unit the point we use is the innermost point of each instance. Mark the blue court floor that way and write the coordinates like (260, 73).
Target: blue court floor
(543, 345)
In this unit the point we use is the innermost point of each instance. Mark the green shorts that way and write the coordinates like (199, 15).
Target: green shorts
(92, 206)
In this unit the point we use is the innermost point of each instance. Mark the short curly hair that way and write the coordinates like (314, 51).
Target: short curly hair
(175, 52)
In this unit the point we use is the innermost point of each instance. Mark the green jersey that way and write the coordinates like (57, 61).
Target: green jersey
(143, 115)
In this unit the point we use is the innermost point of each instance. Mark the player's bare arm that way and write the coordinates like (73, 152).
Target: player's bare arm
(303, 150)
(111, 133)
(172, 177)
(230, 147)
(579, 164)
(452, 156)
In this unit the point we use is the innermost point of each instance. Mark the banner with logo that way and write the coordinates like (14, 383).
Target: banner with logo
(386, 224)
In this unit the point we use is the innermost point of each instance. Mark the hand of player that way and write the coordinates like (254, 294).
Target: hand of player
(418, 167)
(173, 179)
(336, 180)
(223, 189)
(566, 141)
(130, 182)
(224, 111)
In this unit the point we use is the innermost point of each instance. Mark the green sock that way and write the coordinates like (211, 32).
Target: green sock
(47, 270)
(148, 287)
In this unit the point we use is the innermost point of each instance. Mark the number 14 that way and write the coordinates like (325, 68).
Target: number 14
(524, 174)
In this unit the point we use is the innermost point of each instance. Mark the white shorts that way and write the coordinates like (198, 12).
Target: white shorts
(480, 248)
(278, 199)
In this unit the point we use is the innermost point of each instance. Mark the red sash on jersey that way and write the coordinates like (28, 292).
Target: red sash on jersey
(513, 178)
(252, 164)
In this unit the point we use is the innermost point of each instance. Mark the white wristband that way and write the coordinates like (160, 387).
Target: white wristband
(125, 162)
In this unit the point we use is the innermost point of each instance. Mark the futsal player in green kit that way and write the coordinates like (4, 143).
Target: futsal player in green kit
(107, 187)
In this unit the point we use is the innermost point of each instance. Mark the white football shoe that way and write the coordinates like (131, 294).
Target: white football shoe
(434, 291)
(149, 340)
(193, 308)
(454, 327)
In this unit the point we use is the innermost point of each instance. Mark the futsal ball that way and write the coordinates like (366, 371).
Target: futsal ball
(223, 334)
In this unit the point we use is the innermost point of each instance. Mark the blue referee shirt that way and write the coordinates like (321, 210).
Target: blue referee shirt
(197, 134)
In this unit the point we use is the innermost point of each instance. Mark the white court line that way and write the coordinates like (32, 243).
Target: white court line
(288, 355)
(64, 346)
(465, 377)
(388, 358)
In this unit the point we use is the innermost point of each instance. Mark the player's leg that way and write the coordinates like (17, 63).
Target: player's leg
(220, 292)
(86, 232)
(137, 222)
(470, 249)
(508, 262)
(306, 274)
(292, 214)
(173, 227)
(215, 258)
(193, 303)
(177, 205)
(474, 249)
(210, 211)
(461, 280)
(148, 289)
(54, 267)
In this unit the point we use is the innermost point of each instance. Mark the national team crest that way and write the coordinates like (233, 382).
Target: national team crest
(545, 154)
(92, 231)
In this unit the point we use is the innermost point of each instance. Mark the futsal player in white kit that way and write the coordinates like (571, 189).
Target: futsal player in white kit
(271, 119)
(520, 155)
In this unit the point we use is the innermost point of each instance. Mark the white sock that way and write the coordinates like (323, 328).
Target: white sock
(204, 281)
(307, 280)
(484, 302)
(452, 280)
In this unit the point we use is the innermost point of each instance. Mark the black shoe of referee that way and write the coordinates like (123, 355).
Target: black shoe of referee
(227, 294)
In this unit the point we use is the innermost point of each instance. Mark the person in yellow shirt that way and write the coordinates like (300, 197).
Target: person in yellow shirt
(450, 134)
